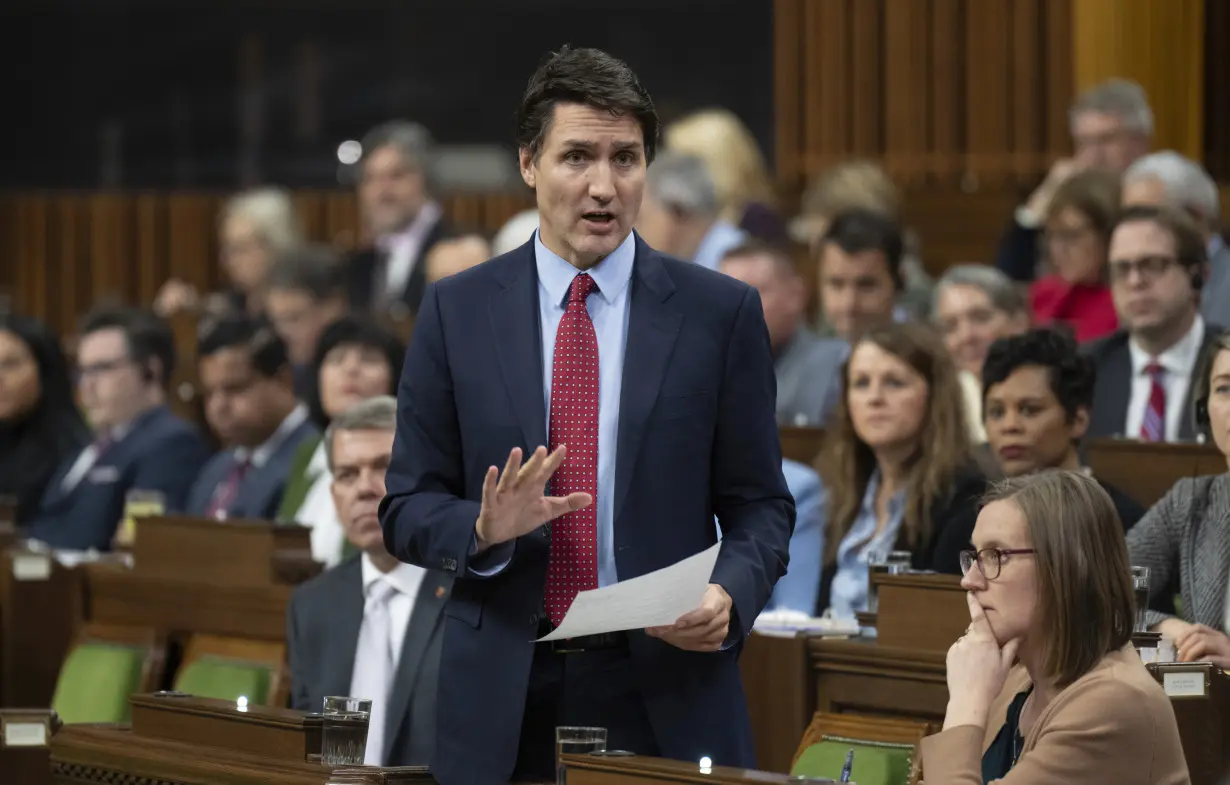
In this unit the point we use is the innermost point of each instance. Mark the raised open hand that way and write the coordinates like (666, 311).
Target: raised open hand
(513, 501)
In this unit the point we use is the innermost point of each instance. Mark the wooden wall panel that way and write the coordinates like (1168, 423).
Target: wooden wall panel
(946, 93)
(66, 252)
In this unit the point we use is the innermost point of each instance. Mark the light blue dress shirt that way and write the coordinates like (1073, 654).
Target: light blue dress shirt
(848, 594)
(608, 309)
(720, 238)
(799, 588)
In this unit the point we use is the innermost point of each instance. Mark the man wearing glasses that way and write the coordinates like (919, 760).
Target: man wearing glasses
(1158, 263)
(125, 358)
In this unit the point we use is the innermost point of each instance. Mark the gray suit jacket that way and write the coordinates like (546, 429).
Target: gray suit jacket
(260, 493)
(808, 378)
(1188, 533)
(1113, 389)
(1215, 296)
(322, 631)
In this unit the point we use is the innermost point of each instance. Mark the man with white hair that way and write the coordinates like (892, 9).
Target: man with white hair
(1112, 126)
(679, 212)
(1168, 178)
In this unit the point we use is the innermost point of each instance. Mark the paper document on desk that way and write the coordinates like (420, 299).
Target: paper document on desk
(653, 600)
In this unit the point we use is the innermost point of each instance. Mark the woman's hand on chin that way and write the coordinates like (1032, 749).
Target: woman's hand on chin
(977, 668)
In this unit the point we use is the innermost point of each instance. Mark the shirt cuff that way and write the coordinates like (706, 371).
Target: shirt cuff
(733, 635)
(492, 561)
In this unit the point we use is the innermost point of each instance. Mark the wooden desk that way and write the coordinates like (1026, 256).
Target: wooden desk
(41, 608)
(1200, 695)
(118, 595)
(1146, 470)
(190, 741)
(779, 686)
(594, 770)
(862, 677)
(920, 611)
(801, 444)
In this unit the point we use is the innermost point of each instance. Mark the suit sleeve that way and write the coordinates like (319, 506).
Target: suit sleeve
(753, 505)
(299, 693)
(1155, 540)
(1017, 254)
(425, 518)
(171, 467)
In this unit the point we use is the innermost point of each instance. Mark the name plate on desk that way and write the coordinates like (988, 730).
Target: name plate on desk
(1184, 679)
(27, 727)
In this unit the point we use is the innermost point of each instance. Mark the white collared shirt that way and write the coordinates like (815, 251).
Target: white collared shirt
(1180, 363)
(89, 456)
(406, 578)
(319, 513)
(404, 249)
(261, 455)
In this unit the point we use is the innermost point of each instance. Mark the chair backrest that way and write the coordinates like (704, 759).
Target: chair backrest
(227, 668)
(106, 665)
(884, 748)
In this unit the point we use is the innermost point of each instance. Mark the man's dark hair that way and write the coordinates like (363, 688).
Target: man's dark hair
(1191, 251)
(239, 331)
(584, 76)
(149, 340)
(1071, 374)
(860, 230)
(314, 269)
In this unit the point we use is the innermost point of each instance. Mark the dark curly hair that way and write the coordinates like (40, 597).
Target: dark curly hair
(1071, 373)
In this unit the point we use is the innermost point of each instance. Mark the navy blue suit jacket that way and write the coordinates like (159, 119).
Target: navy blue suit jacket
(161, 452)
(260, 493)
(697, 438)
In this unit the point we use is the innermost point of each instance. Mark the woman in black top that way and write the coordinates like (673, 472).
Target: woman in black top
(40, 425)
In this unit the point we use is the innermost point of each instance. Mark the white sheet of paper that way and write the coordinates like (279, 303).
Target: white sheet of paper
(652, 600)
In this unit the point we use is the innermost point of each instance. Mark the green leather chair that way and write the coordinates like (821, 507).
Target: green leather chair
(95, 681)
(226, 679)
(884, 748)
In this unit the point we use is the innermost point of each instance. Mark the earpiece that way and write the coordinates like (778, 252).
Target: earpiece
(1200, 418)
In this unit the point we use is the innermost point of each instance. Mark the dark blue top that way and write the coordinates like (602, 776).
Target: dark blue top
(1001, 756)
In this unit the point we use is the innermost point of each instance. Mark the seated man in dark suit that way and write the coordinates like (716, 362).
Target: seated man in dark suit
(304, 294)
(124, 359)
(370, 627)
(250, 404)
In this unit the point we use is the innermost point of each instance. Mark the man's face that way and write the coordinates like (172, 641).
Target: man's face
(111, 385)
(1102, 142)
(856, 290)
(781, 293)
(360, 459)
(589, 176)
(391, 192)
(299, 319)
(657, 225)
(449, 257)
(1152, 291)
(240, 404)
(1151, 192)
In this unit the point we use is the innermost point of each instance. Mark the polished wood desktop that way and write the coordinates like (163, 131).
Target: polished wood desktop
(600, 770)
(1147, 470)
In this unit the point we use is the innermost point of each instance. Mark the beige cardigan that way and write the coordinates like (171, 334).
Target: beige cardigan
(1112, 726)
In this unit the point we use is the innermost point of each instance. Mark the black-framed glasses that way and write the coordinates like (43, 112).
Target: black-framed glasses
(1150, 268)
(989, 560)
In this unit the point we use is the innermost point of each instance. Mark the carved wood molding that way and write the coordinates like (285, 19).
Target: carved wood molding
(81, 773)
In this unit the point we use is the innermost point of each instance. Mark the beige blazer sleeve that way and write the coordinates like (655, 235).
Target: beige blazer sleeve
(1102, 730)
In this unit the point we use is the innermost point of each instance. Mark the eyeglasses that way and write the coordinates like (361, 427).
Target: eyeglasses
(989, 560)
(1150, 268)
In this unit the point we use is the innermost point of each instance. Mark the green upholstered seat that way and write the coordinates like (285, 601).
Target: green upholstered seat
(95, 682)
(875, 762)
(226, 679)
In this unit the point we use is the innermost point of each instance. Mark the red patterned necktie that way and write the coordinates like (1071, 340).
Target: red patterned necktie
(573, 565)
(1153, 427)
(226, 492)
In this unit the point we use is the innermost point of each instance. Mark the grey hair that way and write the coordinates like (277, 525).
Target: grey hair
(682, 182)
(371, 414)
(1119, 97)
(1188, 186)
(999, 288)
(272, 215)
(412, 140)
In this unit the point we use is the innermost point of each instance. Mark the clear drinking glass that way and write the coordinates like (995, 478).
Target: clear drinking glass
(1140, 588)
(899, 562)
(877, 564)
(573, 740)
(343, 739)
(138, 503)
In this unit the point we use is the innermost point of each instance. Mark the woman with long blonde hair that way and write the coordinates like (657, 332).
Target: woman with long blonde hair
(897, 463)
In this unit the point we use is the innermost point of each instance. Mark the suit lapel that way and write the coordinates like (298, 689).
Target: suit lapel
(433, 593)
(1115, 390)
(652, 329)
(344, 639)
(518, 341)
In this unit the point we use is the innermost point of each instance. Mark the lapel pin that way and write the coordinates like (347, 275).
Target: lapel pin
(439, 592)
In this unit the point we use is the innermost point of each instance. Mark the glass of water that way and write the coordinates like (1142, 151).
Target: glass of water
(138, 503)
(343, 740)
(573, 740)
(1140, 589)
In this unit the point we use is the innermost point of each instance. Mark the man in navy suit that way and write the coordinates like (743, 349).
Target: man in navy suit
(250, 404)
(124, 360)
(651, 381)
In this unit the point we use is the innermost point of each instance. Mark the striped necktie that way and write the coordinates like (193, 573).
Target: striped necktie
(1153, 427)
